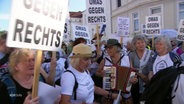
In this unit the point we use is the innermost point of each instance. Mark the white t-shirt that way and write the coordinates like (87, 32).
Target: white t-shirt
(179, 98)
(124, 61)
(162, 62)
(85, 90)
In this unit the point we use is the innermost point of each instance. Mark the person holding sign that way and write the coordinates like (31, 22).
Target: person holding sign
(139, 58)
(77, 86)
(15, 87)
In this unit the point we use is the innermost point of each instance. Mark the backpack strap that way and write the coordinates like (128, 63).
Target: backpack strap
(75, 85)
(11, 87)
(4, 59)
(175, 58)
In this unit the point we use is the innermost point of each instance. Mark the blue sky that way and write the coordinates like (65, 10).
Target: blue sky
(5, 5)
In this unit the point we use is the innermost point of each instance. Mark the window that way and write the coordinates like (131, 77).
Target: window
(118, 3)
(181, 10)
(155, 10)
(135, 22)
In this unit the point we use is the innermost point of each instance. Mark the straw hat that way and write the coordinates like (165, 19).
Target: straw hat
(81, 51)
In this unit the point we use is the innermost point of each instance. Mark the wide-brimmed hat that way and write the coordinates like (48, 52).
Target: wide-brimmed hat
(81, 51)
(112, 42)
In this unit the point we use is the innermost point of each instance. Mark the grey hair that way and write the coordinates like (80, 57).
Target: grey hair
(165, 40)
(136, 38)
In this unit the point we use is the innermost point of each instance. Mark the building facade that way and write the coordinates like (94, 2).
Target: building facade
(170, 11)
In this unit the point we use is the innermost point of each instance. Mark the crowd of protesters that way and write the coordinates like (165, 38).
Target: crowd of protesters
(79, 69)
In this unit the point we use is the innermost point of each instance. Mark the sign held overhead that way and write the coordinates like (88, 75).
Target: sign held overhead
(37, 24)
(96, 12)
(180, 35)
(153, 25)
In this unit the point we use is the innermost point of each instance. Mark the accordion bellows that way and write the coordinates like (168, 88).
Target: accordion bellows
(117, 78)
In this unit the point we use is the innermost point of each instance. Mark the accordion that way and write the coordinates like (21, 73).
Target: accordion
(118, 78)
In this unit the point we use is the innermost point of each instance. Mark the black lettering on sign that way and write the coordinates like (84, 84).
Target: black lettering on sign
(96, 10)
(28, 32)
(28, 3)
(45, 35)
(95, 2)
(181, 37)
(152, 19)
(181, 30)
(153, 31)
(58, 38)
(38, 28)
(19, 25)
(152, 25)
(183, 23)
(96, 19)
(53, 33)
(80, 28)
(65, 28)
(50, 8)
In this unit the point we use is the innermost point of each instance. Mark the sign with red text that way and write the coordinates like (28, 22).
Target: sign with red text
(96, 12)
(153, 25)
(37, 24)
(180, 35)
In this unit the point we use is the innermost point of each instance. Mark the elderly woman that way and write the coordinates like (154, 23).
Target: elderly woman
(164, 58)
(15, 87)
(139, 58)
(115, 58)
(78, 78)
(166, 85)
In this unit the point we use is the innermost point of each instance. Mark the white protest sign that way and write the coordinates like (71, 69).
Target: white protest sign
(81, 31)
(96, 12)
(123, 26)
(44, 90)
(153, 25)
(143, 27)
(180, 35)
(66, 31)
(37, 24)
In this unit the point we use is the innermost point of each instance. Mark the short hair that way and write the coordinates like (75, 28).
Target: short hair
(165, 40)
(79, 40)
(136, 38)
(17, 56)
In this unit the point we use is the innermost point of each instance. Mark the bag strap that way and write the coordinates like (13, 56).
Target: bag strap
(11, 87)
(4, 59)
(175, 58)
(75, 86)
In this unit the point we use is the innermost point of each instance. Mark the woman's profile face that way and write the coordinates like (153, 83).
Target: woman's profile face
(84, 63)
(26, 65)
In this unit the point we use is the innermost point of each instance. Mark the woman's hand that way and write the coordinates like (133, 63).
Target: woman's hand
(134, 79)
(29, 100)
